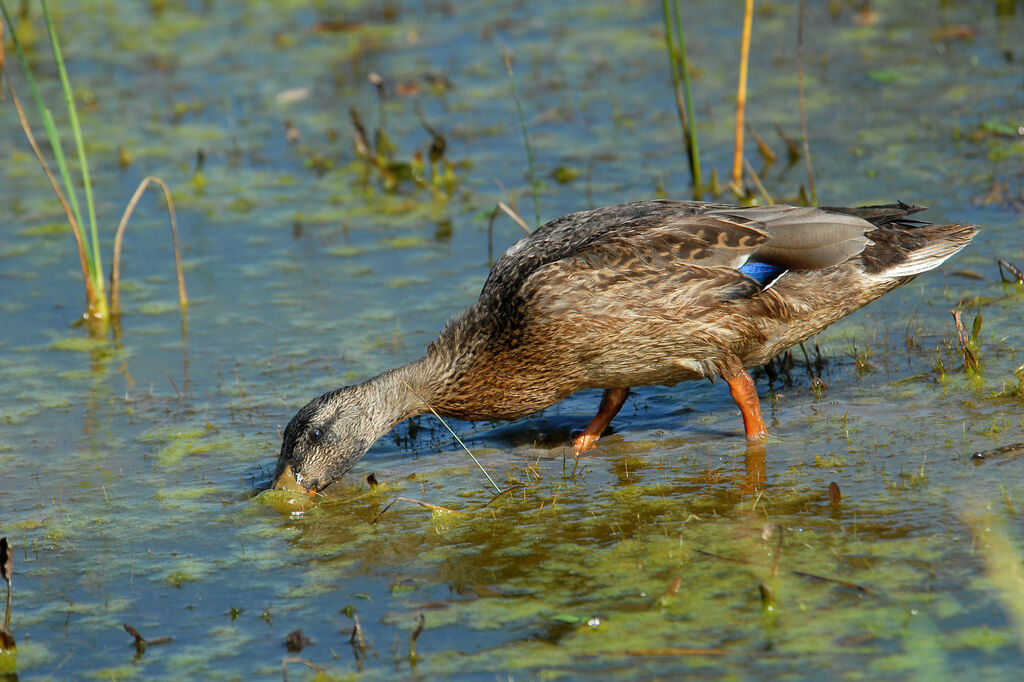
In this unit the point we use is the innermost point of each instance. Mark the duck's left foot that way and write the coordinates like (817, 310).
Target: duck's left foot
(611, 403)
(744, 392)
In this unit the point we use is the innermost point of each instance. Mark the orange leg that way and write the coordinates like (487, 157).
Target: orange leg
(611, 403)
(741, 386)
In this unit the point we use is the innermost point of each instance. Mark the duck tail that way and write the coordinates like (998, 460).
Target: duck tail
(904, 248)
(882, 214)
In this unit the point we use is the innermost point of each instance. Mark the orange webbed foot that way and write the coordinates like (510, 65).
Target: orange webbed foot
(611, 403)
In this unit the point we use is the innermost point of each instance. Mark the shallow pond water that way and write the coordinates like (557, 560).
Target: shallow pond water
(131, 468)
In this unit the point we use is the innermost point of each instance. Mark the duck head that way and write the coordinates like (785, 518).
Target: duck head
(323, 441)
(332, 432)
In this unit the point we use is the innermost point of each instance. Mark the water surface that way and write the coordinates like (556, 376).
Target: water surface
(131, 466)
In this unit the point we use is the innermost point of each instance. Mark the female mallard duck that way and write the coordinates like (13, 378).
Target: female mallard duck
(653, 292)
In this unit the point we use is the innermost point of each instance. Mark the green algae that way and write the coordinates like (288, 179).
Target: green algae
(128, 494)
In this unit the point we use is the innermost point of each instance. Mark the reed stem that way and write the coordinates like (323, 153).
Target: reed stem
(681, 70)
(800, 88)
(76, 130)
(741, 95)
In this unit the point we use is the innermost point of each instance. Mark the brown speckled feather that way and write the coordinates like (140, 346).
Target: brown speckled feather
(650, 293)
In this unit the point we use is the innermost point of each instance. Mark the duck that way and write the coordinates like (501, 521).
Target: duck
(637, 294)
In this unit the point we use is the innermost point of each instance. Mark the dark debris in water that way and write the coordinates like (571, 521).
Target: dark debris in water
(7, 642)
(356, 639)
(141, 643)
(1011, 450)
(835, 496)
(297, 640)
(421, 619)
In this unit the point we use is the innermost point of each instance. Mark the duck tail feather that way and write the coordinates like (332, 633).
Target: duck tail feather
(882, 214)
(900, 253)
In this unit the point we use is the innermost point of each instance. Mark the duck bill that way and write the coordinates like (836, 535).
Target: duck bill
(286, 481)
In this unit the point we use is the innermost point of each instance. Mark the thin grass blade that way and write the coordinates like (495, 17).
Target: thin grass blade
(69, 98)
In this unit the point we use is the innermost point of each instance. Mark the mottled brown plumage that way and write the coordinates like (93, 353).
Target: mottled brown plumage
(637, 294)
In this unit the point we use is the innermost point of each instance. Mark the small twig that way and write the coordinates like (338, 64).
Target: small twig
(415, 636)
(792, 148)
(766, 151)
(837, 581)
(497, 497)
(757, 183)
(141, 643)
(456, 436)
(360, 140)
(1018, 275)
(802, 574)
(800, 88)
(356, 640)
(427, 505)
(173, 385)
(295, 659)
(516, 217)
(676, 651)
(970, 360)
(526, 137)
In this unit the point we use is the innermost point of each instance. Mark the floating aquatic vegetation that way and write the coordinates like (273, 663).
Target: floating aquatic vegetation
(379, 155)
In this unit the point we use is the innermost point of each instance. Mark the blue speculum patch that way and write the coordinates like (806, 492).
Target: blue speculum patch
(763, 273)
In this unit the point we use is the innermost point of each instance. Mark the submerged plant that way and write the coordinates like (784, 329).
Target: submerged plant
(379, 155)
(969, 345)
(99, 309)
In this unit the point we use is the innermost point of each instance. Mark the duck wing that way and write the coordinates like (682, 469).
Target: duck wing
(668, 236)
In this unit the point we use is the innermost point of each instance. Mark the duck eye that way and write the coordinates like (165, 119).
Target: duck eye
(315, 434)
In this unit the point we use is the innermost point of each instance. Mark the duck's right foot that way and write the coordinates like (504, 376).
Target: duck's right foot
(611, 403)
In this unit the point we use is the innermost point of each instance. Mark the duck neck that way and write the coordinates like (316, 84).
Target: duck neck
(399, 393)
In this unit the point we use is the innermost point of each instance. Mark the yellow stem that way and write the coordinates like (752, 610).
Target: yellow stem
(741, 94)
